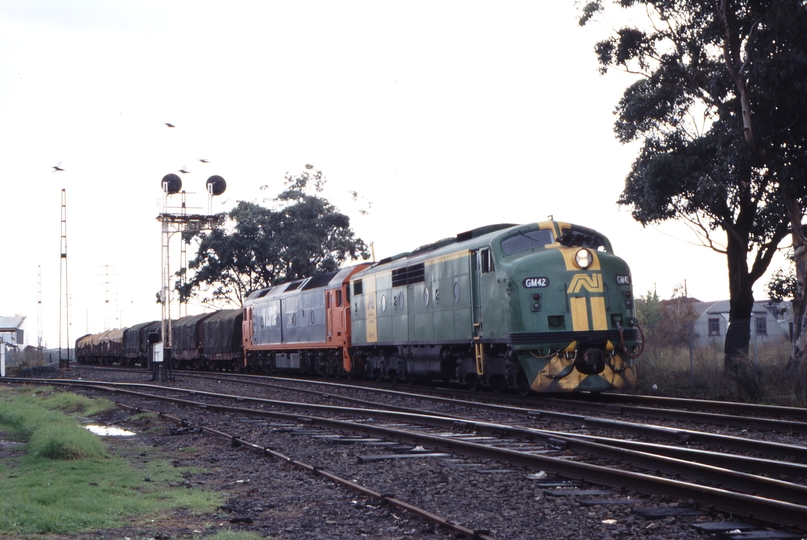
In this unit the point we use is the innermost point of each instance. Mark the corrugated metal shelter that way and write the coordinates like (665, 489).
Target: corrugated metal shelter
(11, 331)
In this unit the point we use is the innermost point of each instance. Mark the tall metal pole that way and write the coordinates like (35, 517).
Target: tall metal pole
(165, 295)
(64, 296)
(39, 307)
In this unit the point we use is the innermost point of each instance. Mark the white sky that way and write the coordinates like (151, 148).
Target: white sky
(445, 115)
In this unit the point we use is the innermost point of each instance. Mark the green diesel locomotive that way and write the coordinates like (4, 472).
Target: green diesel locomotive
(545, 307)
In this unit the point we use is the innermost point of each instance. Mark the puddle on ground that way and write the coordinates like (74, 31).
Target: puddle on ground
(109, 431)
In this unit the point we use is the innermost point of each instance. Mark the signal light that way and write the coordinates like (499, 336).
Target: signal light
(536, 297)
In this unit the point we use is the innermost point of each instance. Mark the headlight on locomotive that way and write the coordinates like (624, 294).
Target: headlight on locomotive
(583, 258)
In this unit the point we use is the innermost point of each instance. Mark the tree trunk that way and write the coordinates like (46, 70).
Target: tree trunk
(798, 351)
(741, 303)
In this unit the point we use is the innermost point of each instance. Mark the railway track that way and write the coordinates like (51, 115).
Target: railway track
(713, 478)
(731, 414)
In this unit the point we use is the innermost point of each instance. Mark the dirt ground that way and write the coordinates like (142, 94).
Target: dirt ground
(260, 494)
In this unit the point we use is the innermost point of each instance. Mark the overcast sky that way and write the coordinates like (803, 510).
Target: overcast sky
(445, 115)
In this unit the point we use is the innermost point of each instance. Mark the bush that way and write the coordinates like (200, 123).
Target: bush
(65, 440)
(762, 377)
(18, 360)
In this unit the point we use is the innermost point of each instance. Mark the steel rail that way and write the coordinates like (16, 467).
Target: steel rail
(715, 405)
(747, 464)
(798, 453)
(762, 508)
(744, 422)
(789, 451)
(317, 471)
(587, 400)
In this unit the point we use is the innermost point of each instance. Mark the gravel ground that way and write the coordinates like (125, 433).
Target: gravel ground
(270, 497)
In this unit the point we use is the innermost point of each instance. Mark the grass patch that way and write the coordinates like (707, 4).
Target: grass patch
(67, 482)
(38, 416)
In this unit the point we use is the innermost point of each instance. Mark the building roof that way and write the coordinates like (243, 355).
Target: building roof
(761, 307)
(9, 324)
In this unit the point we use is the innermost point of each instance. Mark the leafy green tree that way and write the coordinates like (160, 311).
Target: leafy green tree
(648, 311)
(302, 235)
(782, 284)
(719, 104)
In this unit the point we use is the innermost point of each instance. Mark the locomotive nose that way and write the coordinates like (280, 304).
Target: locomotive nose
(591, 362)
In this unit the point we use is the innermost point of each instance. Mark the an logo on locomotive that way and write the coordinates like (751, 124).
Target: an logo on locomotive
(590, 282)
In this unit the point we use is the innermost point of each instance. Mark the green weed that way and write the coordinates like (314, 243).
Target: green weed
(67, 483)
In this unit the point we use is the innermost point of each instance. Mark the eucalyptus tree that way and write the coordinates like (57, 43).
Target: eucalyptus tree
(299, 235)
(719, 104)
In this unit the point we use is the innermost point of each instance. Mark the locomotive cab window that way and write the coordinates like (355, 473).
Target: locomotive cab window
(525, 241)
(338, 298)
(485, 261)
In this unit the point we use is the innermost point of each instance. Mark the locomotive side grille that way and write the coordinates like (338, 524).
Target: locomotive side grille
(409, 275)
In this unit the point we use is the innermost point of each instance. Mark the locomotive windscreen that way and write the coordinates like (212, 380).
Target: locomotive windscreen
(524, 241)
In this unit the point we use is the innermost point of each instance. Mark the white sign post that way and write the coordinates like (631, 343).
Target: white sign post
(158, 353)
(2, 359)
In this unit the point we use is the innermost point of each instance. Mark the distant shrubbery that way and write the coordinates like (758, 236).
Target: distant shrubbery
(676, 369)
(19, 359)
(765, 379)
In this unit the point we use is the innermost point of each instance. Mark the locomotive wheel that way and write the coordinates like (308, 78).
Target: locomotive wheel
(473, 382)
(498, 384)
(523, 387)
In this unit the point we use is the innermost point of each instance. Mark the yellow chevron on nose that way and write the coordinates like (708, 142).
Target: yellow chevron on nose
(590, 282)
